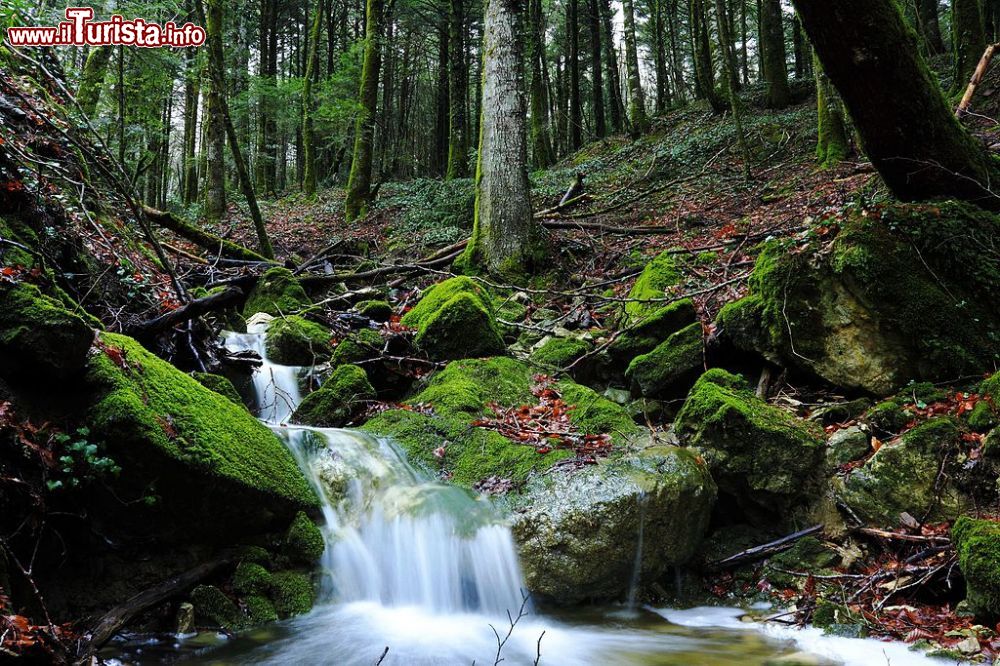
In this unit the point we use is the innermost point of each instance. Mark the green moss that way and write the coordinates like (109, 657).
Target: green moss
(669, 369)
(659, 274)
(982, 418)
(292, 593)
(376, 310)
(39, 337)
(762, 455)
(303, 541)
(363, 345)
(978, 545)
(807, 555)
(213, 607)
(250, 578)
(219, 384)
(594, 414)
(158, 419)
(903, 476)
(293, 340)
(278, 293)
(260, 610)
(644, 336)
(991, 388)
(11, 255)
(434, 299)
(255, 555)
(888, 417)
(340, 397)
(560, 352)
(461, 328)
(467, 386)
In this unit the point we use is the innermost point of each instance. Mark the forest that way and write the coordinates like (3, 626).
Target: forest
(517, 331)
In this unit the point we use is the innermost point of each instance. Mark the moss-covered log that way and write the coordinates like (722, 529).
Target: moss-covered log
(200, 237)
(359, 184)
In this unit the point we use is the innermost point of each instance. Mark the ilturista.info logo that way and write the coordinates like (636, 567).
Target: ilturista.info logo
(80, 29)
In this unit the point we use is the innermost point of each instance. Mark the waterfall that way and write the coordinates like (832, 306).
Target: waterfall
(394, 536)
(633, 589)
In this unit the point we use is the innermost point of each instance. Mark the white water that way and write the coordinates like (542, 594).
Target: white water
(428, 571)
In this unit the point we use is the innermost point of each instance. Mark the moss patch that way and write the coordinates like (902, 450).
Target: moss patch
(293, 340)
(251, 578)
(376, 310)
(434, 299)
(364, 344)
(461, 328)
(594, 414)
(559, 352)
(644, 336)
(277, 293)
(340, 397)
(978, 545)
(659, 274)
(467, 386)
(214, 608)
(219, 384)
(303, 541)
(292, 593)
(671, 366)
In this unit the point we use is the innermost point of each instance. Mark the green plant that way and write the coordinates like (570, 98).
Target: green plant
(81, 462)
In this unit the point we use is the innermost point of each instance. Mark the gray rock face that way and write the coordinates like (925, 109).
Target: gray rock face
(578, 534)
(846, 445)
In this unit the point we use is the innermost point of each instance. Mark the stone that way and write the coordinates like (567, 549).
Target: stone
(846, 445)
(337, 400)
(294, 340)
(978, 545)
(277, 293)
(671, 368)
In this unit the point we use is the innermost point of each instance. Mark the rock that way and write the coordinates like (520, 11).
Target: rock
(293, 340)
(559, 352)
(303, 542)
(759, 454)
(334, 403)
(797, 659)
(807, 555)
(292, 593)
(846, 445)
(986, 414)
(219, 384)
(40, 339)
(645, 335)
(363, 345)
(184, 619)
(903, 476)
(669, 369)
(214, 608)
(277, 293)
(376, 310)
(461, 328)
(978, 546)
(658, 275)
(846, 630)
(968, 646)
(578, 534)
(434, 298)
(250, 578)
(216, 471)
(892, 298)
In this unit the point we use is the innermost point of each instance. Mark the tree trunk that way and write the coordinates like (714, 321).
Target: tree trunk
(441, 99)
(189, 162)
(215, 135)
(541, 145)
(573, 70)
(906, 128)
(732, 82)
(92, 78)
(458, 89)
(614, 83)
(704, 68)
(597, 87)
(637, 101)
(360, 181)
(308, 135)
(659, 55)
(968, 38)
(798, 49)
(930, 25)
(505, 238)
(772, 39)
(833, 145)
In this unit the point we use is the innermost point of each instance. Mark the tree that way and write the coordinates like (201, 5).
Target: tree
(732, 83)
(637, 101)
(930, 25)
(541, 144)
(505, 237)
(968, 37)
(832, 145)
(458, 90)
(613, 79)
(573, 65)
(360, 181)
(92, 79)
(704, 68)
(597, 83)
(308, 135)
(906, 128)
(772, 40)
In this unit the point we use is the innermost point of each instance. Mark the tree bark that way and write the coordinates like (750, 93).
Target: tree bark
(458, 89)
(968, 38)
(772, 41)
(637, 101)
(833, 144)
(614, 83)
(506, 240)
(359, 183)
(906, 128)
(308, 134)
(597, 82)
(92, 79)
(541, 144)
(704, 68)
(573, 67)
(930, 25)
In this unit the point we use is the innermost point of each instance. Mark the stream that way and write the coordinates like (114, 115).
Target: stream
(429, 570)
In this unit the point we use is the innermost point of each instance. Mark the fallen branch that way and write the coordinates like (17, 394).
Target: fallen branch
(187, 312)
(896, 536)
(977, 78)
(764, 550)
(200, 237)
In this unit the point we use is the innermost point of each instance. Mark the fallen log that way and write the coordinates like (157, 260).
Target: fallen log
(764, 550)
(200, 237)
(191, 310)
(111, 622)
(977, 78)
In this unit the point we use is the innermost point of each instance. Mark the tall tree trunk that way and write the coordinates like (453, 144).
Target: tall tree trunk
(597, 87)
(930, 25)
(676, 59)
(968, 38)
(308, 134)
(833, 145)
(573, 66)
(906, 128)
(92, 78)
(458, 89)
(541, 145)
(704, 67)
(260, 163)
(215, 145)
(360, 181)
(637, 101)
(659, 54)
(772, 39)
(613, 79)
(744, 38)
(506, 240)
(799, 49)
(732, 81)
(441, 99)
(189, 163)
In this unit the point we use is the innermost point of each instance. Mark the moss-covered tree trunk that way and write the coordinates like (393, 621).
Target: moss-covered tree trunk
(92, 79)
(637, 101)
(359, 183)
(732, 83)
(214, 205)
(772, 39)
(596, 75)
(833, 144)
(541, 144)
(308, 135)
(506, 239)
(968, 38)
(704, 67)
(906, 128)
(613, 79)
(458, 89)
(930, 25)
(189, 161)
(573, 71)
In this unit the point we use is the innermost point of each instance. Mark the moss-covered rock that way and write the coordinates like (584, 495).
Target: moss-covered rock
(577, 534)
(560, 352)
(461, 328)
(592, 413)
(468, 385)
(671, 367)
(292, 593)
(40, 340)
(986, 414)
(277, 293)
(895, 297)
(888, 418)
(846, 445)
(905, 476)
(303, 541)
(978, 545)
(807, 555)
(219, 384)
(763, 456)
(260, 610)
(646, 334)
(294, 340)
(434, 298)
(217, 470)
(376, 310)
(363, 345)
(250, 578)
(340, 397)
(659, 275)
(213, 608)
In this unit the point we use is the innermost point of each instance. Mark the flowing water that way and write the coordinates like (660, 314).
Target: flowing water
(418, 572)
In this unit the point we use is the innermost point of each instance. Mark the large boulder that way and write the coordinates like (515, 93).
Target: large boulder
(277, 293)
(891, 298)
(40, 339)
(761, 455)
(650, 288)
(454, 319)
(644, 335)
(670, 368)
(905, 476)
(211, 469)
(978, 546)
(580, 535)
(334, 403)
(294, 340)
